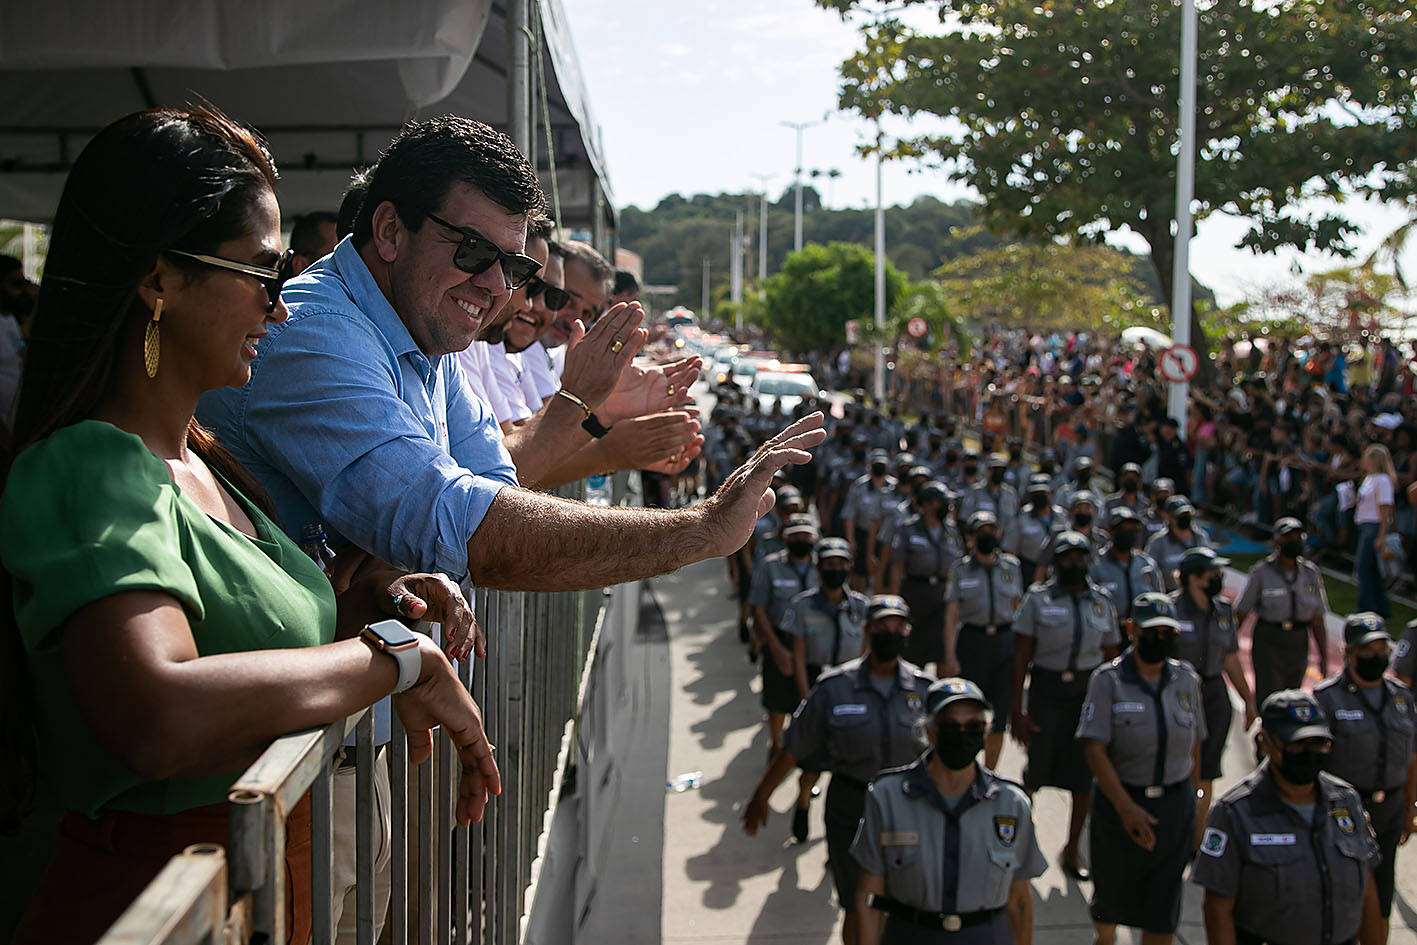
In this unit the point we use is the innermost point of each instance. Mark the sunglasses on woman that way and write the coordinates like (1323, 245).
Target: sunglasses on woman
(556, 299)
(271, 278)
(476, 254)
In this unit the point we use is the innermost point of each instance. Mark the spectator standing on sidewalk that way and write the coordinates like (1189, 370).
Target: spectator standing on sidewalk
(1374, 519)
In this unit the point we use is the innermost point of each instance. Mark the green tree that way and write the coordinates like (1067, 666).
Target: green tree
(820, 289)
(1066, 117)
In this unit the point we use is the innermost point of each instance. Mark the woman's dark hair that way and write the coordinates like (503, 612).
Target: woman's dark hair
(153, 181)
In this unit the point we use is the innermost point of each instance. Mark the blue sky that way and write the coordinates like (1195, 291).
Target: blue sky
(690, 96)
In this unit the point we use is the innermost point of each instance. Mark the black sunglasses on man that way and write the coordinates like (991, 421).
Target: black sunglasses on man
(476, 254)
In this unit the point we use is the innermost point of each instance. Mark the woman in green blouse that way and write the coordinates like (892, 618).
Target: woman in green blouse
(164, 628)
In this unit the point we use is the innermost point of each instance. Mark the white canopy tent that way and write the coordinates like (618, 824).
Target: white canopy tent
(329, 82)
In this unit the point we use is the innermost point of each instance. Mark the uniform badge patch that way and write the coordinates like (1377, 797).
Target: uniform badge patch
(1185, 701)
(1343, 819)
(1089, 711)
(912, 701)
(1007, 829)
(1214, 842)
(1097, 609)
(1309, 586)
(1400, 702)
(1301, 712)
(1402, 647)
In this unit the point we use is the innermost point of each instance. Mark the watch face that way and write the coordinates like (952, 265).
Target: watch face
(393, 633)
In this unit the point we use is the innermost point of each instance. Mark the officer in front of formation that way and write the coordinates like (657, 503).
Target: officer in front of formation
(1064, 629)
(1287, 855)
(924, 549)
(1286, 594)
(946, 848)
(985, 588)
(1142, 728)
(863, 713)
(1209, 640)
(1125, 571)
(1029, 537)
(827, 626)
(780, 577)
(1374, 738)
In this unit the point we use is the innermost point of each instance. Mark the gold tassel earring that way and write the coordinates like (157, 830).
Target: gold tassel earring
(152, 343)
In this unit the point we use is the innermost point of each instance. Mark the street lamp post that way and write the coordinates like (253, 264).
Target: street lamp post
(799, 127)
(1185, 190)
(762, 228)
(880, 385)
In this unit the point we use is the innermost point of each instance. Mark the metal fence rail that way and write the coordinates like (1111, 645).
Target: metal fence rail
(449, 884)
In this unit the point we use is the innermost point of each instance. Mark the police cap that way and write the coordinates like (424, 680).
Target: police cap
(1178, 504)
(997, 461)
(887, 605)
(1364, 628)
(946, 692)
(1070, 541)
(1122, 514)
(934, 491)
(1292, 715)
(981, 518)
(832, 548)
(1154, 609)
(799, 524)
(1288, 524)
(1039, 482)
(1196, 560)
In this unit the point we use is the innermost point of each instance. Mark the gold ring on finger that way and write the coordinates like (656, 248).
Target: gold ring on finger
(671, 390)
(617, 346)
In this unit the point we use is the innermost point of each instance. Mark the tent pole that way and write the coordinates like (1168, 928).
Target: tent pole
(518, 75)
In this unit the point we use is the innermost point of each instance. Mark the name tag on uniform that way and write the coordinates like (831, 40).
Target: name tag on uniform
(1129, 707)
(1272, 840)
(1186, 626)
(1348, 715)
(969, 582)
(1110, 585)
(900, 838)
(851, 709)
(785, 582)
(1049, 611)
(1276, 592)
(919, 540)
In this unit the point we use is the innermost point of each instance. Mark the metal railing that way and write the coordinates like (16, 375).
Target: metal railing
(468, 884)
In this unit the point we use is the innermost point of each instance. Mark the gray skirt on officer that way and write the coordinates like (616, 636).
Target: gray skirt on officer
(1131, 886)
(994, 932)
(846, 802)
(779, 691)
(926, 643)
(988, 662)
(1055, 755)
(1215, 702)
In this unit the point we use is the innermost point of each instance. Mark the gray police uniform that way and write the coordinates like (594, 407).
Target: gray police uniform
(867, 725)
(865, 505)
(1003, 503)
(1151, 731)
(833, 633)
(1166, 549)
(1285, 606)
(1206, 637)
(927, 556)
(984, 644)
(1294, 879)
(767, 537)
(775, 582)
(1029, 537)
(987, 839)
(1404, 656)
(1118, 500)
(896, 512)
(1125, 581)
(1069, 633)
(1374, 737)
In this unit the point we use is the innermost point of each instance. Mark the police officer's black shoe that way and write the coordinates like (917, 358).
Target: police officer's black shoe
(799, 825)
(743, 632)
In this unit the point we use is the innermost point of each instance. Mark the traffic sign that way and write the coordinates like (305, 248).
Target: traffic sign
(1178, 364)
(917, 327)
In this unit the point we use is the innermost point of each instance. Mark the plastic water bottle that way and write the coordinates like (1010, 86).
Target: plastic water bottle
(315, 543)
(597, 490)
(685, 782)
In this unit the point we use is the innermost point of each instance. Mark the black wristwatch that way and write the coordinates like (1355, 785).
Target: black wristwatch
(594, 427)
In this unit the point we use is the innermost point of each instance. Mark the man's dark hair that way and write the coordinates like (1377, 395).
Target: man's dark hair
(540, 227)
(626, 283)
(586, 255)
(556, 249)
(352, 201)
(305, 236)
(9, 264)
(427, 157)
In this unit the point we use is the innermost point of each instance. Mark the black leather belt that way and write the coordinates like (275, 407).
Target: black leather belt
(925, 578)
(988, 630)
(1281, 624)
(1154, 791)
(936, 921)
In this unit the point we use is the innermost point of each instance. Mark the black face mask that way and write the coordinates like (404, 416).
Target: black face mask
(1046, 468)
(859, 455)
(1302, 767)
(1084, 479)
(996, 476)
(957, 748)
(1082, 519)
(951, 457)
(799, 549)
(970, 469)
(833, 580)
(1214, 584)
(1129, 484)
(1291, 547)
(986, 543)
(1124, 539)
(1183, 521)
(1155, 649)
(1073, 573)
(1370, 668)
(878, 469)
(886, 646)
(1015, 455)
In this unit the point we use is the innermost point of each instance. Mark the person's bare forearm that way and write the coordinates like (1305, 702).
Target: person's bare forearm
(533, 543)
(1020, 907)
(544, 442)
(589, 459)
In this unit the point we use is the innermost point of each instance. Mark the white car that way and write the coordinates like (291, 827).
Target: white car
(783, 386)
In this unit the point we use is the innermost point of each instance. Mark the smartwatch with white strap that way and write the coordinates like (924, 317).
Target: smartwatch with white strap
(393, 638)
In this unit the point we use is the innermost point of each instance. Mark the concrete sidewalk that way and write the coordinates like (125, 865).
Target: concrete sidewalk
(723, 886)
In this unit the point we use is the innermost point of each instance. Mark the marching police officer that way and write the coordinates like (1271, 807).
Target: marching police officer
(1129, 494)
(1180, 533)
(1064, 629)
(1287, 855)
(1082, 518)
(1029, 537)
(1155, 517)
(864, 714)
(925, 547)
(1286, 594)
(1125, 571)
(946, 847)
(993, 495)
(779, 578)
(1209, 642)
(1143, 728)
(1374, 727)
(827, 627)
(1404, 657)
(1081, 482)
(984, 590)
(900, 506)
(866, 502)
